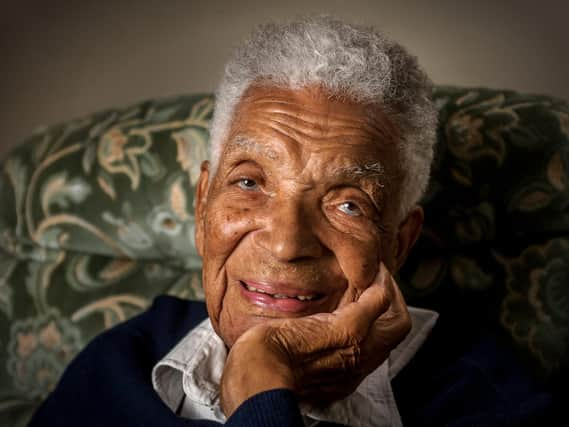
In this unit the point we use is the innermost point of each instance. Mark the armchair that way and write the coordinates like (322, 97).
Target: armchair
(96, 219)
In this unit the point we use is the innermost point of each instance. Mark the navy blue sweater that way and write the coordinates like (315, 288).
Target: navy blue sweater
(109, 382)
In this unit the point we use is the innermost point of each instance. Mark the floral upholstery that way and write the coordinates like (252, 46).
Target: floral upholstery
(96, 218)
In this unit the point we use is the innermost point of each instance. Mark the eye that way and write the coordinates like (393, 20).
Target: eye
(350, 208)
(247, 184)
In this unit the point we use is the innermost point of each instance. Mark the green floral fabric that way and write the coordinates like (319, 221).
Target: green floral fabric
(496, 235)
(96, 218)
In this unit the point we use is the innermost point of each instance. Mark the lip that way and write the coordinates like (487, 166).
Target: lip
(288, 305)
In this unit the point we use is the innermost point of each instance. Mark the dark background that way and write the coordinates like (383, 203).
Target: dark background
(60, 59)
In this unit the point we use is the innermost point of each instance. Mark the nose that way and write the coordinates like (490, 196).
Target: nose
(288, 233)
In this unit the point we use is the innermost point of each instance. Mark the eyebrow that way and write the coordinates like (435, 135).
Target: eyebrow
(371, 171)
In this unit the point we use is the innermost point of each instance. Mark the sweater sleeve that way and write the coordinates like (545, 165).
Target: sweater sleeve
(273, 408)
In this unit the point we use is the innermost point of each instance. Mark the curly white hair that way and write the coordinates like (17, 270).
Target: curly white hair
(351, 61)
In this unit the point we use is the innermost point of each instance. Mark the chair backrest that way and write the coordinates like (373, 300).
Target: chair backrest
(495, 246)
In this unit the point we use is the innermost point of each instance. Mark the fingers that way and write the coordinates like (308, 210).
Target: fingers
(398, 304)
(344, 359)
(397, 315)
(359, 315)
(344, 328)
(391, 327)
(330, 353)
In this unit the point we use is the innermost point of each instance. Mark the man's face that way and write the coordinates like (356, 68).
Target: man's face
(301, 209)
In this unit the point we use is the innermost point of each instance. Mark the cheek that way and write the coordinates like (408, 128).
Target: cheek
(388, 250)
(224, 229)
(359, 261)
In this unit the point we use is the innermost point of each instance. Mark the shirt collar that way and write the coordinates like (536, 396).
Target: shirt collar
(187, 379)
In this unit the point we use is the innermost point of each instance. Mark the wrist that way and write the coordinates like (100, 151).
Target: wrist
(251, 370)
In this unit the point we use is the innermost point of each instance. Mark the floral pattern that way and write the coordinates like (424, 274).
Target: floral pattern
(96, 219)
(39, 350)
(536, 307)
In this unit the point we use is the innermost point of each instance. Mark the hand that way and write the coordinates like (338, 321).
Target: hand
(322, 357)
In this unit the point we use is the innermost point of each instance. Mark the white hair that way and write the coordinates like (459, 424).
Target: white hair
(350, 61)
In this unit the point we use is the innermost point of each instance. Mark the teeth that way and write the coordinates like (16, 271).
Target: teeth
(281, 296)
(252, 289)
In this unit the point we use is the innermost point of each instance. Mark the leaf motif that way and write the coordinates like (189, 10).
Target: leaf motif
(39, 279)
(7, 266)
(556, 173)
(192, 148)
(164, 114)
(134, 236)
(150, 166)
(117, 153)
(18, 174)
(564, 123)
(428, 273)
(202, 109)
(129, 113)
(115, 309)
(106, 184)
(440, 103)
(179, 200)
(57, 190)
(117, 269)
(129, 232)
(51, 188)
(102, 125)
(530, 199)
(467, 98)
(6, 305)
(88, 158)
(79, 275)
(183, 144)
(475, 224)
(462, 174)
(40, 148)
(467, 274)
(127, 209)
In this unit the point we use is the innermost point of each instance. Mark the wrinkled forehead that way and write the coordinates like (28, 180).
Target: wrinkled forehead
(282, 124)
(348, 164)
(315, 110)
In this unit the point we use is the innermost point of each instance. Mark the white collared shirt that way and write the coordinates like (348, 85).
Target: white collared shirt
(187, 379)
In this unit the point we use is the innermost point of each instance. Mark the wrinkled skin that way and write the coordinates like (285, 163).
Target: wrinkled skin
(299, 208)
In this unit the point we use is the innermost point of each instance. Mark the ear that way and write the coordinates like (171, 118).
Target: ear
(201, 203)
(409, 232)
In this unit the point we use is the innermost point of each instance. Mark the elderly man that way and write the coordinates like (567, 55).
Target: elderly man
(322, 141)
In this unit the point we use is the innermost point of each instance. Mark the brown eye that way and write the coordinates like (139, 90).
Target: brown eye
(350, 208)
(247, 184)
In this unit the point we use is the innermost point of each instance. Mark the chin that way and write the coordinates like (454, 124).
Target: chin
(231, 335)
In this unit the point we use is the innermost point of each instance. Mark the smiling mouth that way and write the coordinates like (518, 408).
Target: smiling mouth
(278, 296)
